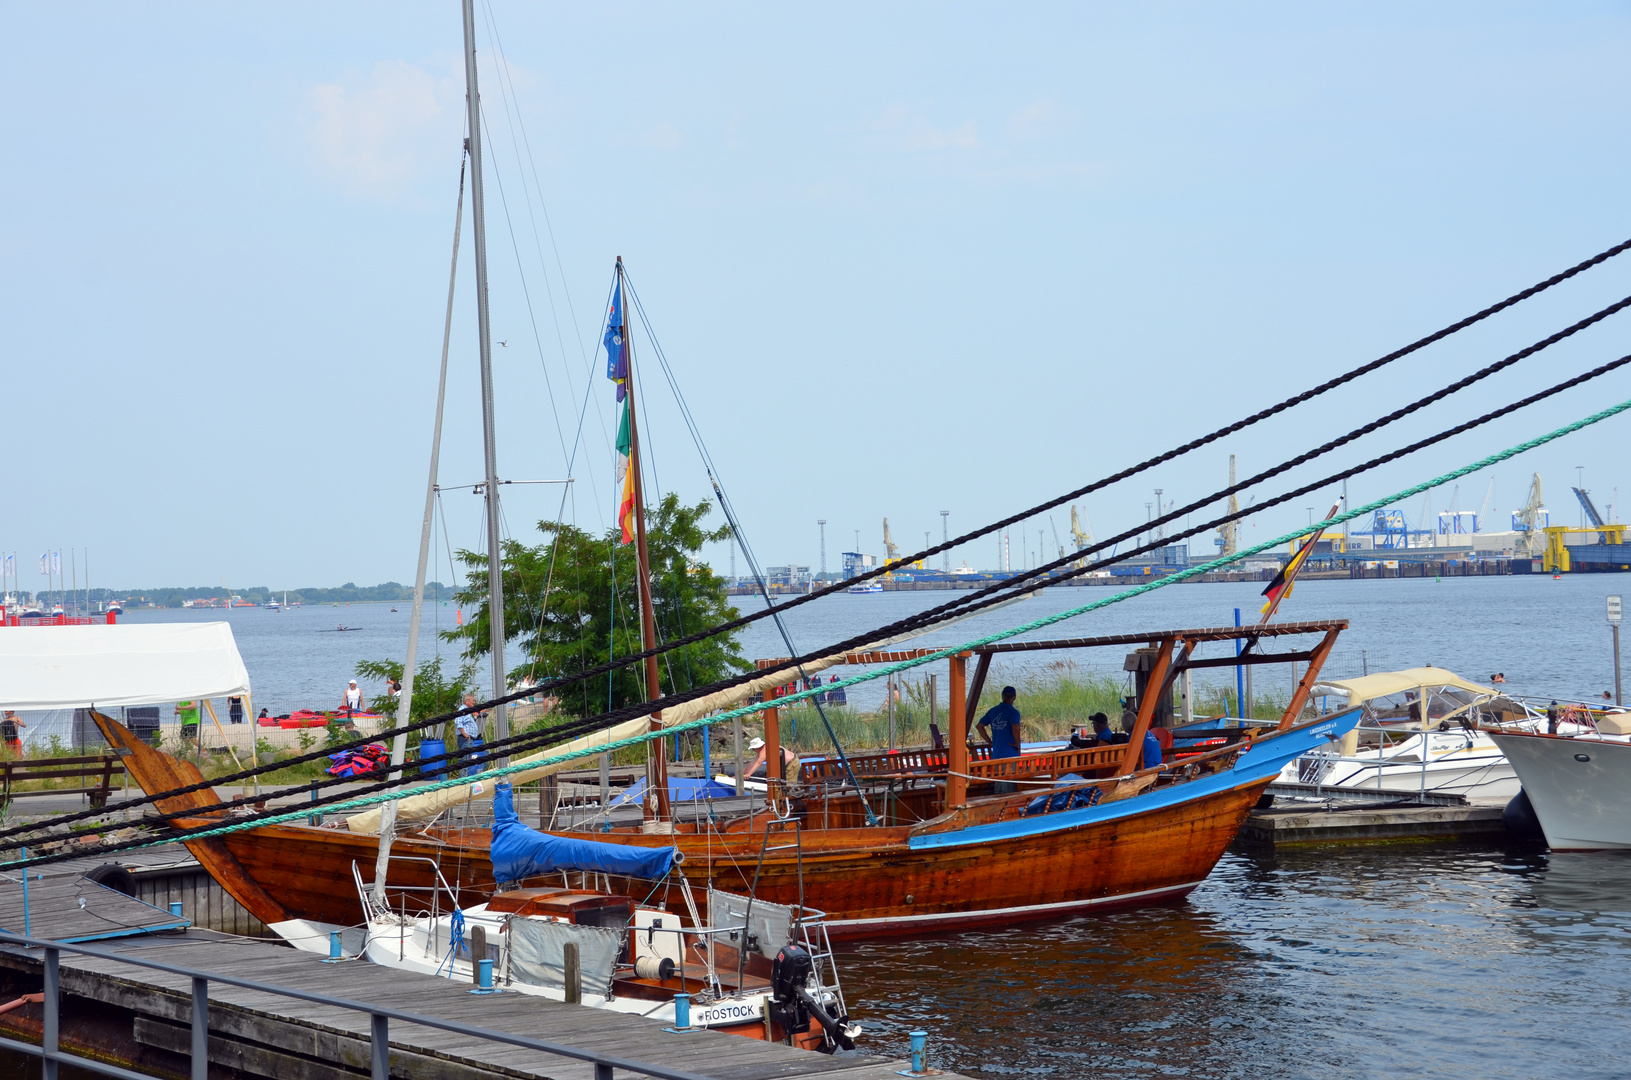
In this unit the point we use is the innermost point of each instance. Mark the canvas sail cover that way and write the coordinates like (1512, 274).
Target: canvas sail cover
(75, 667)
(521, 852)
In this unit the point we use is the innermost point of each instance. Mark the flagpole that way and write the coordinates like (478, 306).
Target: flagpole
(657, 774)
(1292, 569)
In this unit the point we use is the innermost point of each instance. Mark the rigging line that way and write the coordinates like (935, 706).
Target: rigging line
(1194, 444)
(560, 517)
(1149, 527)
(526, 290)
(543, 204)
(596, 723)
(257, 821)
(511, 108)
(1304, 490)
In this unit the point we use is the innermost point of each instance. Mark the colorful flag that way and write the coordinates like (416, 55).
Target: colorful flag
(617, 370)
(1280, 587)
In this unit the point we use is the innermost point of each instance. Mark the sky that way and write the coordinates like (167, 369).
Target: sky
(899, 259)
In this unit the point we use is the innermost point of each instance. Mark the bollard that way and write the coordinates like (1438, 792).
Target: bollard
(175, 908)
(682, 1010)
(919, 1041)
(484, 974)
(478, 949)
(574, 979)
(333, 944)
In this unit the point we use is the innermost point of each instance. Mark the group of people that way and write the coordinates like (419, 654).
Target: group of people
(1000, 728)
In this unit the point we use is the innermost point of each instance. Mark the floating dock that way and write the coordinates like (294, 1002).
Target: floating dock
(1362, 817)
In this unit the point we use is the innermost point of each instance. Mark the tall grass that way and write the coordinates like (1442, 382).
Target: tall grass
(1051, 700)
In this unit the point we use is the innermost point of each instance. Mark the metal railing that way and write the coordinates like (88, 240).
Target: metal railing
(379, 1017)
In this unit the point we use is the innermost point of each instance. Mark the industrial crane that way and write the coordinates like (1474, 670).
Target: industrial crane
(1080, 535)
(891, 550)
(1229, 531)
(1529, 518)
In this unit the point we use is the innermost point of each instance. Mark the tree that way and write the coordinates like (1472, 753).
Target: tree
(571, 603)
(434, 694)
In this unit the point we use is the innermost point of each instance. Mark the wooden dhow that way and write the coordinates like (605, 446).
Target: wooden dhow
(1087, 829)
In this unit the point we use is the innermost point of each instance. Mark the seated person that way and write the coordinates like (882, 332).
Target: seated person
(1101, 729)
(1129, 720)
(1152, 751)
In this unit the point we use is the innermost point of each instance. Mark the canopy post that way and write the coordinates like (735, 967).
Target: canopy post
(957, 748)
(773, 748)
(1299, 697)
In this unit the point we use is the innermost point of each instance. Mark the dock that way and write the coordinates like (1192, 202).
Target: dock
(1372, 820)
(278, 1013)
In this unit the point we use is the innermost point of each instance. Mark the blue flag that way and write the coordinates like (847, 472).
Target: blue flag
(617, 357)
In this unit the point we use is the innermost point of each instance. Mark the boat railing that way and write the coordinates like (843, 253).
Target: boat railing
(981, 765)
(377, 907)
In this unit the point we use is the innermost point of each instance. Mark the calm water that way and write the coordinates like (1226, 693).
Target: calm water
(1431, 960)
(1548, 637)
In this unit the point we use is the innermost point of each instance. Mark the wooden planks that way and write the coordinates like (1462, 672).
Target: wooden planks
(301, 1033)
(55, 910)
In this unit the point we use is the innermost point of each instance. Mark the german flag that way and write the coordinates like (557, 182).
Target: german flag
(1280, 587)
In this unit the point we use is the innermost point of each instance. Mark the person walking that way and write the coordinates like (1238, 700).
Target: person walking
(11, 732)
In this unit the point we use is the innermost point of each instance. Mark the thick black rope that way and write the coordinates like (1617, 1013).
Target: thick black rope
(556, 735)
(735, 624)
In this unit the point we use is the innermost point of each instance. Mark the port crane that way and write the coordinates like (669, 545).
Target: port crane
(1529, 518)
(1229, 532)
(1079, 533)
(1593, 518)
(891, 550)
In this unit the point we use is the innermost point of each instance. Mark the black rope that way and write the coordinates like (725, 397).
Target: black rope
(989, 598)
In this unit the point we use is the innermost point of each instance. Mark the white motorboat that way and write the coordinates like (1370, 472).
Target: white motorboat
(1420, 733)
(758, 969)
(1578, 781)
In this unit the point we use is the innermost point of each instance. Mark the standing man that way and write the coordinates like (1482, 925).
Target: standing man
(467, 728)
(352, 702)
(999, 727)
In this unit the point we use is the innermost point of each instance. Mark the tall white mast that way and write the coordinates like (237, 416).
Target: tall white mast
(495, 567)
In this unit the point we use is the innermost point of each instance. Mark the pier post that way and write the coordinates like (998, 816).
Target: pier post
(379, 1037)
(53, 1003)
(957, 739)
(478, 950)
(201, 1029)
(573, 973)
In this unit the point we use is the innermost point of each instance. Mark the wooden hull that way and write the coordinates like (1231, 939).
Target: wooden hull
(888, 880)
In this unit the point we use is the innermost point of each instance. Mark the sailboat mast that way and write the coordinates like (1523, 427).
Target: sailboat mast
(495, 566)
(657, 778)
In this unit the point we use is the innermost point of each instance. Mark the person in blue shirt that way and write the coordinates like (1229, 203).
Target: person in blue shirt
(1152, 751)
(1101, 729)
(1000, 726)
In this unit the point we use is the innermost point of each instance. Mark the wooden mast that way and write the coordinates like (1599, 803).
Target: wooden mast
(657, 769)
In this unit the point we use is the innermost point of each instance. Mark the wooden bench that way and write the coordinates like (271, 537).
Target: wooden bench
(100, 767)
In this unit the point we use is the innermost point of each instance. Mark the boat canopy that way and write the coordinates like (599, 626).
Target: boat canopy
(1386, 683)
(519, 851)
(74, 667)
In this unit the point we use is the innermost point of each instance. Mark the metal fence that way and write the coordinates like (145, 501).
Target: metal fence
(379, 1021)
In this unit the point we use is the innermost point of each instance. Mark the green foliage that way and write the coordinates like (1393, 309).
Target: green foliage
(571, 602)
(435, 693)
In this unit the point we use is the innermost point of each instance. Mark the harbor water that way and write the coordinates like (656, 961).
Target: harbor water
(1429, 960)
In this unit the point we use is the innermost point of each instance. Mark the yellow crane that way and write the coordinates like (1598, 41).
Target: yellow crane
(1078, 533)
(891, 550)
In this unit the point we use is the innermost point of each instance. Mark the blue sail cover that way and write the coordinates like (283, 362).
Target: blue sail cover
(521, 852)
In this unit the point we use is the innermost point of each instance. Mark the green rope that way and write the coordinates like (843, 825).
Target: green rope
(903, 665)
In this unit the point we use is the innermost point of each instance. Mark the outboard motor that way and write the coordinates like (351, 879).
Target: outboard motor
(792, 1005)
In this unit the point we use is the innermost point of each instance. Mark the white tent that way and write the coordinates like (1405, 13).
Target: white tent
(69, 667)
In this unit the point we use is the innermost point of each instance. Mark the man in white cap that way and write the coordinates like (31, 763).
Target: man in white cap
(757, 770)
(353, 698)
